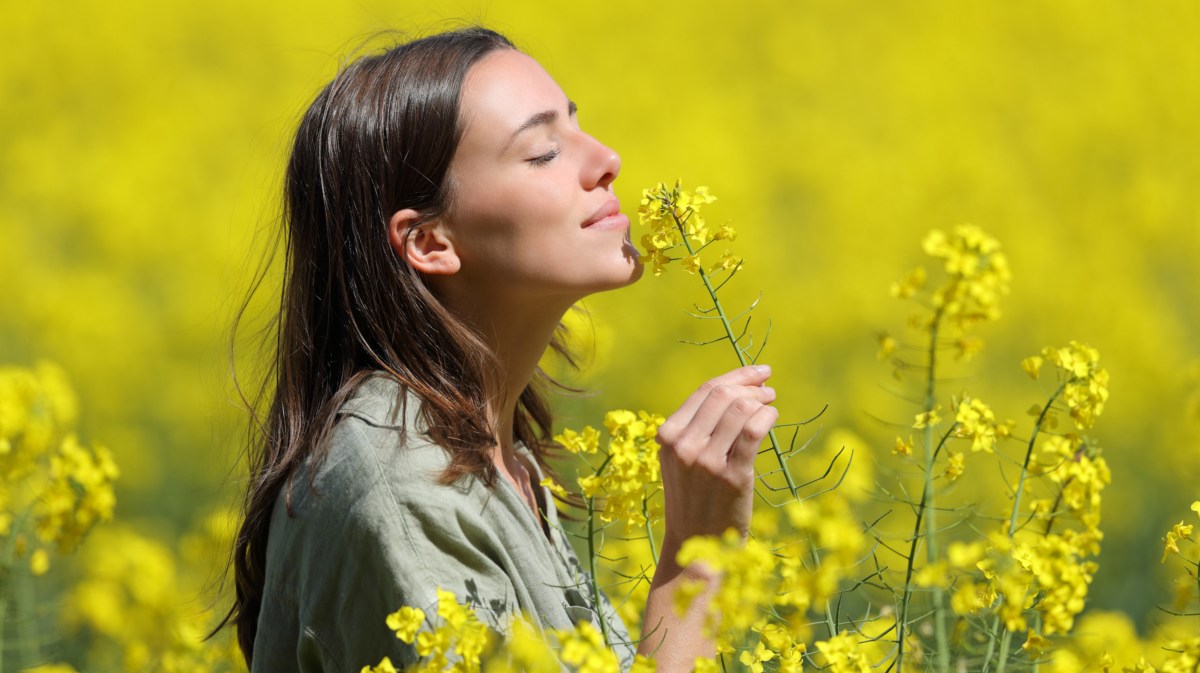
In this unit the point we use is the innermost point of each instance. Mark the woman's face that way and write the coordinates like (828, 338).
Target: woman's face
(533, 215)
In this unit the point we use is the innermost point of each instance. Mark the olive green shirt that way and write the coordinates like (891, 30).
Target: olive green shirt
(378, 531)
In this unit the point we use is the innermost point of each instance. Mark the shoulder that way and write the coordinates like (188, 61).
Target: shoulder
(378, 438)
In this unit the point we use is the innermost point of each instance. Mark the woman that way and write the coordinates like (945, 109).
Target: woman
(444, 210)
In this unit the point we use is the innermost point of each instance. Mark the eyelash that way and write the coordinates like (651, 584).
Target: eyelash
(544, 159)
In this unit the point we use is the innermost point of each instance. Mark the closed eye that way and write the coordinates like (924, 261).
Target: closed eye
(544, 159)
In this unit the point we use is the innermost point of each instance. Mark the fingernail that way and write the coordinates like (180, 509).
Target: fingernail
(762, 369)
(769, 390)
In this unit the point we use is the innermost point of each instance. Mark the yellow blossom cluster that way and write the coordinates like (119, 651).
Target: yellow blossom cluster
(977, 276)
(1079, 475)
(1183, 656)
(1046, 573)
(459, 643)
(974, 420)
(790, 563)
(842, 654)
(629, 474)
(1179, 532)
(1085, 383)
(747, 586)
(48, 478)
(824, 528)
(1187, 590)
(581, 649)
(141, 602)
(673, 216)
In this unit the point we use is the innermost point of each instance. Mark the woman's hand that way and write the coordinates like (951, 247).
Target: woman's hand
(707, 456)
(708, 451)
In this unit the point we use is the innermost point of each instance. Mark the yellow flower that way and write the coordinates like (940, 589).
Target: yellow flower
(585, 441)
(384, 666)
(1178, 531)
(674, 218)
(554, 487)
(729, 262)
(754, 660)
(39, 562)
(1032, 366)
(642, 664)
(842, 654)
(977, 422)
(1036, 644)
(912, 282)
(932, 575)
(903, 447)
(963, 555)
(927, 419)
(887, 346)
(968, 347)
(631, 472)
(583, 647)
(968, 598)
(405, 622)
(955, 465)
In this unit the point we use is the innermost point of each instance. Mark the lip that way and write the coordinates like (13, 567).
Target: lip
(608, 216)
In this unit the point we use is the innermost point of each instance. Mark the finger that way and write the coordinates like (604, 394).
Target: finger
(702, 426)
(752, 375)
(728, 429)
(745, 447)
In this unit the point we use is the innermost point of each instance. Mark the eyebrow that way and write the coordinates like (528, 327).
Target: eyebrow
(540, 119)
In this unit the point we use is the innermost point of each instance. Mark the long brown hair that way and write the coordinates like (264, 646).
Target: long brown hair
(377, 139)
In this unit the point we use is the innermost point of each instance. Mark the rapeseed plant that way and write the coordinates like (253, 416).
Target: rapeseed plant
(53, 491)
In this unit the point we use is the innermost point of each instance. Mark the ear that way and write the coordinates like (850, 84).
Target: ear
(424, 245)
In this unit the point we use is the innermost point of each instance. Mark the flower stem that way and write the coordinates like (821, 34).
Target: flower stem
(1037, 428)
(927, 500)
(591, 518)
(1005, 642)
(593, 553)
(733, 341)
(650, 533)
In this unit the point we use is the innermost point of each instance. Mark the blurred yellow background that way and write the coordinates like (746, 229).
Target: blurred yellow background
(142, 148)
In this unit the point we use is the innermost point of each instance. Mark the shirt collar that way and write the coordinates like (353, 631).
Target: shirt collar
(381, 401)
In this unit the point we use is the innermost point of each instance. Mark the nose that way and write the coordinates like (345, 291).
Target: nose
(602, 167)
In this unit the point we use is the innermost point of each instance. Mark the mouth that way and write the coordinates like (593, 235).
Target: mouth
(607, 216)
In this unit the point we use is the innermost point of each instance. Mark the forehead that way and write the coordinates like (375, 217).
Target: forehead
(502, 91)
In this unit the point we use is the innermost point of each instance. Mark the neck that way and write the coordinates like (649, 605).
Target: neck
(517, 333)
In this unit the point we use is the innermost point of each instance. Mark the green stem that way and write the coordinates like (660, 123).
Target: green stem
(650, 533)
(27, 643)
(1037, 428)
(733, 341)
(4, 571)
(922, 508)
(592, 568)
(927, 498)
(1005, 642)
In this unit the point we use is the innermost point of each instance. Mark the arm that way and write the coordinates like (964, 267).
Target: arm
(707, 456)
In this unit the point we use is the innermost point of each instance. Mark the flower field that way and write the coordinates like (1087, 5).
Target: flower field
(937, 520)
